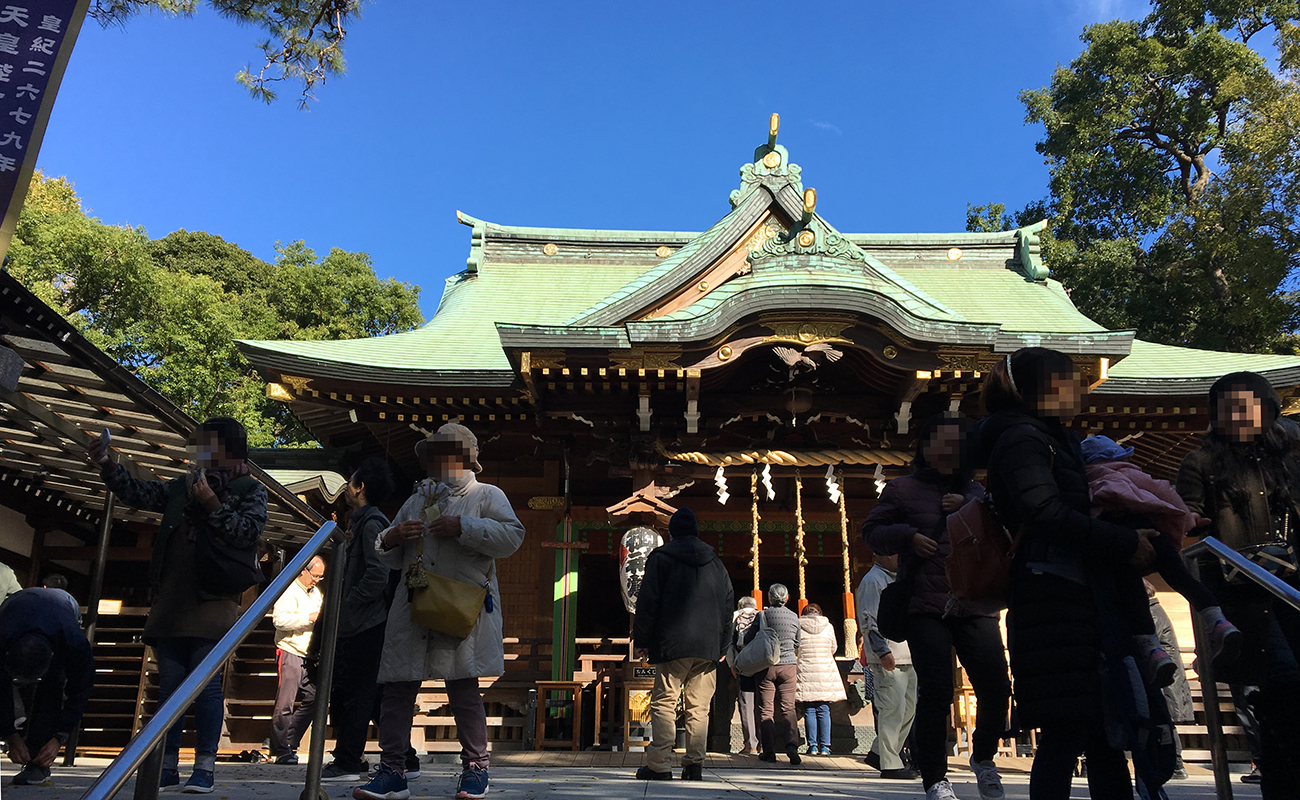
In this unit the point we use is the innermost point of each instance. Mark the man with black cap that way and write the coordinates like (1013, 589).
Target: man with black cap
(46, 656)
(682, 626)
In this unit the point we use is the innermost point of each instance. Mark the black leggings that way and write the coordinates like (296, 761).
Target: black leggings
(978, 642)
(1059, 747)
(1134, 605)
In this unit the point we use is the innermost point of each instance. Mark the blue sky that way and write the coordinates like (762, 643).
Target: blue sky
(588, 115)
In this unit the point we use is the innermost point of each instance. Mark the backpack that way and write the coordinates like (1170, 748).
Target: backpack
(763, 651)
(979, 568)
(223, 569)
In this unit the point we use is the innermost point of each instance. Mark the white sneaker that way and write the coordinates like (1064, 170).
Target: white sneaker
(986, 775)
(940, 791)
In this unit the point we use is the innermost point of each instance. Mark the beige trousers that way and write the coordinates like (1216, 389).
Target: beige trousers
(693, 679)
(895, 707)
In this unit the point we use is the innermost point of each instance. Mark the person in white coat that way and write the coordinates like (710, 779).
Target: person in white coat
(475, 526)
(819, 683)
(890, 663)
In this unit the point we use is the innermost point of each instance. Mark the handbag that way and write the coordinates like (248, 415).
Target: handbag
(444, 604)
(979, 568)
(763, 651)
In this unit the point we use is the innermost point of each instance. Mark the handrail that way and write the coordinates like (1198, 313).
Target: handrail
(145, 743)
(1275, 585)
(1192, 555)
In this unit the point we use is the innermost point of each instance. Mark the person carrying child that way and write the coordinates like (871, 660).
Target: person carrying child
(1122, 492)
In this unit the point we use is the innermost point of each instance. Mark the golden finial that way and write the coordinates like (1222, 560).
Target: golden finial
(773, 126)
(809, 201)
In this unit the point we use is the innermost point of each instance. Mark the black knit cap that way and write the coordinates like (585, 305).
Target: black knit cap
(683, 524)
(1252, 382)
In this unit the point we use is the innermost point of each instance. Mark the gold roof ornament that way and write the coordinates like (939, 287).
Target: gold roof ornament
(773, 127)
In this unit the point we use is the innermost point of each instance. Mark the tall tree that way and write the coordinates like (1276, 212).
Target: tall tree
(304, 44)
(1171, 144)
(172, 309)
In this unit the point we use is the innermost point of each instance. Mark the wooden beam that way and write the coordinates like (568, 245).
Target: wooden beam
(91, 553)
(70, 432)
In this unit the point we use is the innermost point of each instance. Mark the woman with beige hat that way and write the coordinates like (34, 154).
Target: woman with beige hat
(455, 527)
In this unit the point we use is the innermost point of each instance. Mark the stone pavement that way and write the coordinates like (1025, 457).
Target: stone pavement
(573, 782)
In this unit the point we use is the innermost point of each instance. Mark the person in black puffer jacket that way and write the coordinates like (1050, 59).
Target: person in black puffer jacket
(683, 626)
(910, 520)
(1040, 491)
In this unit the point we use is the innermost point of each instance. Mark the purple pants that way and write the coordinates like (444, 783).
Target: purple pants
(397, 715)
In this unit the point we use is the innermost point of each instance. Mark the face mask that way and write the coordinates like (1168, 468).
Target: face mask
(457, 477)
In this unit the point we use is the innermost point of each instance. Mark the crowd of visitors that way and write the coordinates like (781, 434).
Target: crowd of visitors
(1093, 659)
(1083, 526)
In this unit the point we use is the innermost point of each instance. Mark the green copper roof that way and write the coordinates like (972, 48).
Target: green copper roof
(1003, 297)
(462, 334)
(1184, 370)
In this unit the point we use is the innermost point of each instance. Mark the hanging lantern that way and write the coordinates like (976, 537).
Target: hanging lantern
(633, 550)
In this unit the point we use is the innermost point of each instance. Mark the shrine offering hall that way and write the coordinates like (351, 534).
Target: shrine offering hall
(770, 373)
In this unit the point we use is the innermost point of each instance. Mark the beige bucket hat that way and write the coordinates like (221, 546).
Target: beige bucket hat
(451, 438)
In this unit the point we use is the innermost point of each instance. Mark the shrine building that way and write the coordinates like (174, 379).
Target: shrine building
(755, 372)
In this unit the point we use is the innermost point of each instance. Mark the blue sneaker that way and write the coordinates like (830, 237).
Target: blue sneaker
(387, 784)
(473, 784)
(200, 782)
(170, 777)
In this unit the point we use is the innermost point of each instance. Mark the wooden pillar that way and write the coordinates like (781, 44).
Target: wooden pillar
(564, 628)
(38, 548)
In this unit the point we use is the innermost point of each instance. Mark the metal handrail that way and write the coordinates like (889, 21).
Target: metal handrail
(1192, 554)
(144, 745)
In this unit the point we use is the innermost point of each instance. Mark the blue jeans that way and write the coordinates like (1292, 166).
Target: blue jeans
(817, 724)
(177, 658)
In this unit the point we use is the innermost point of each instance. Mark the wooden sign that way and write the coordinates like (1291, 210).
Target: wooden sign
(36, 40)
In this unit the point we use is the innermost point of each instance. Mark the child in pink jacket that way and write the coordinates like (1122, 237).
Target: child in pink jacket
(1123, 493)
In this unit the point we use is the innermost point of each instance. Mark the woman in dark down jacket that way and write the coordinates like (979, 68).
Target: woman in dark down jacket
(1036, 476)
(910, 520)
(1245, 479)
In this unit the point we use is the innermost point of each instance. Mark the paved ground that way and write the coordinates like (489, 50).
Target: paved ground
(779, 782)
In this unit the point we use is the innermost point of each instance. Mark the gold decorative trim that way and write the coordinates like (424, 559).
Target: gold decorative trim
(785, 458)
(806, 238)
(890, 352)
(550, 248)
(544, 503)
(772, 160)
(977, 361)
(278, 392)
(547, 359)
(641, 358)
(299, 384)
(806, 333)
(725, 352)
(663, 251)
